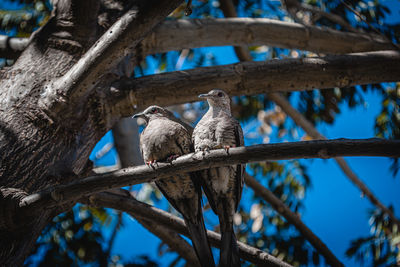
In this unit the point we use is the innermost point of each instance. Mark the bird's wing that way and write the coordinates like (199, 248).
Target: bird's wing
(229, 133)
(183, 140)
(239, 139)
(141, 144)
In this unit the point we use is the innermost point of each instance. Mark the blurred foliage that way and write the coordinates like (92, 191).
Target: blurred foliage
(24, 21)
(382, 247)
(73, 239)
(261, 226)
(76, 237)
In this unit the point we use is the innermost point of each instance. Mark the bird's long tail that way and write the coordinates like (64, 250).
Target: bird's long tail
(229, 256)
(201, 246)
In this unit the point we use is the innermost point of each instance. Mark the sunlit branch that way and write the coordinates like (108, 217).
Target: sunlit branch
(216, 158)
(249, 78)
(184, 34)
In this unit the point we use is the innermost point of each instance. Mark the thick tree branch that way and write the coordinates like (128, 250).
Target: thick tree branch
(292, 218)
(132, 206)
(76, 20)
(181, 34)
(257, 77)
(300, 120)
(11, 47)
(216, 158)
(125, 34)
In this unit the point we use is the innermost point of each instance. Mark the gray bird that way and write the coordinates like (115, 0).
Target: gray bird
(165, 138)
(222, 186)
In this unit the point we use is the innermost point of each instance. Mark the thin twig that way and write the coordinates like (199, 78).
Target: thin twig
(369, 24)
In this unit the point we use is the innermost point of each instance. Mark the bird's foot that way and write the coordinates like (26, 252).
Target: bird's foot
(172, 157)
(226, 148)
(151, 162)
(205, 149)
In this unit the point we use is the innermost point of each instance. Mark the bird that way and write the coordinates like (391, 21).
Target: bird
(164, 139)
(223, 185)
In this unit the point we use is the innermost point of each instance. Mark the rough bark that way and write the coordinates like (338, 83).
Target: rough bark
(33, 153)
(250, 78)
(37, 150)
(69, 91)
(120, 201)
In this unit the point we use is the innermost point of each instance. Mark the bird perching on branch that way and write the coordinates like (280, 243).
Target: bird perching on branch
(223, 185)
(164, 139)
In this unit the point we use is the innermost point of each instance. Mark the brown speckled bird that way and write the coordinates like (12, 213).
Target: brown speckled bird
(223, 185)
(165, 138)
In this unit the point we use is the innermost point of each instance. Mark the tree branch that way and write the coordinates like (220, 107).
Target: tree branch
(76, 20)
(257, 77)
(292, 218)
(181, 34)
(197, 161)
(300, 120)
(11, 47)
(139, 209)
(170, 237)
(126, 33)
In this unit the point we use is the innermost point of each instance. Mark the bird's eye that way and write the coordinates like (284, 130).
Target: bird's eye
(220, 94)
(153, 110)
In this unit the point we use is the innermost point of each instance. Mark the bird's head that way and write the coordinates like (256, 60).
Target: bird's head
(217, 98)
(152, 112)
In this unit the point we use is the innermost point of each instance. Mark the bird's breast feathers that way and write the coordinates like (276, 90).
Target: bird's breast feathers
(163, 138)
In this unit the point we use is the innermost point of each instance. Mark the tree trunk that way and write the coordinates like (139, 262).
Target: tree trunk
(39, 148)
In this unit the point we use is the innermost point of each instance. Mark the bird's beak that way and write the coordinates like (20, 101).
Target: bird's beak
(138, 115)
(204, 96)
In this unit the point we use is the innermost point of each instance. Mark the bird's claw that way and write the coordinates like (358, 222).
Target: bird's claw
(151, 162)
(172, 157)
(205, 149)
(226, 148)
